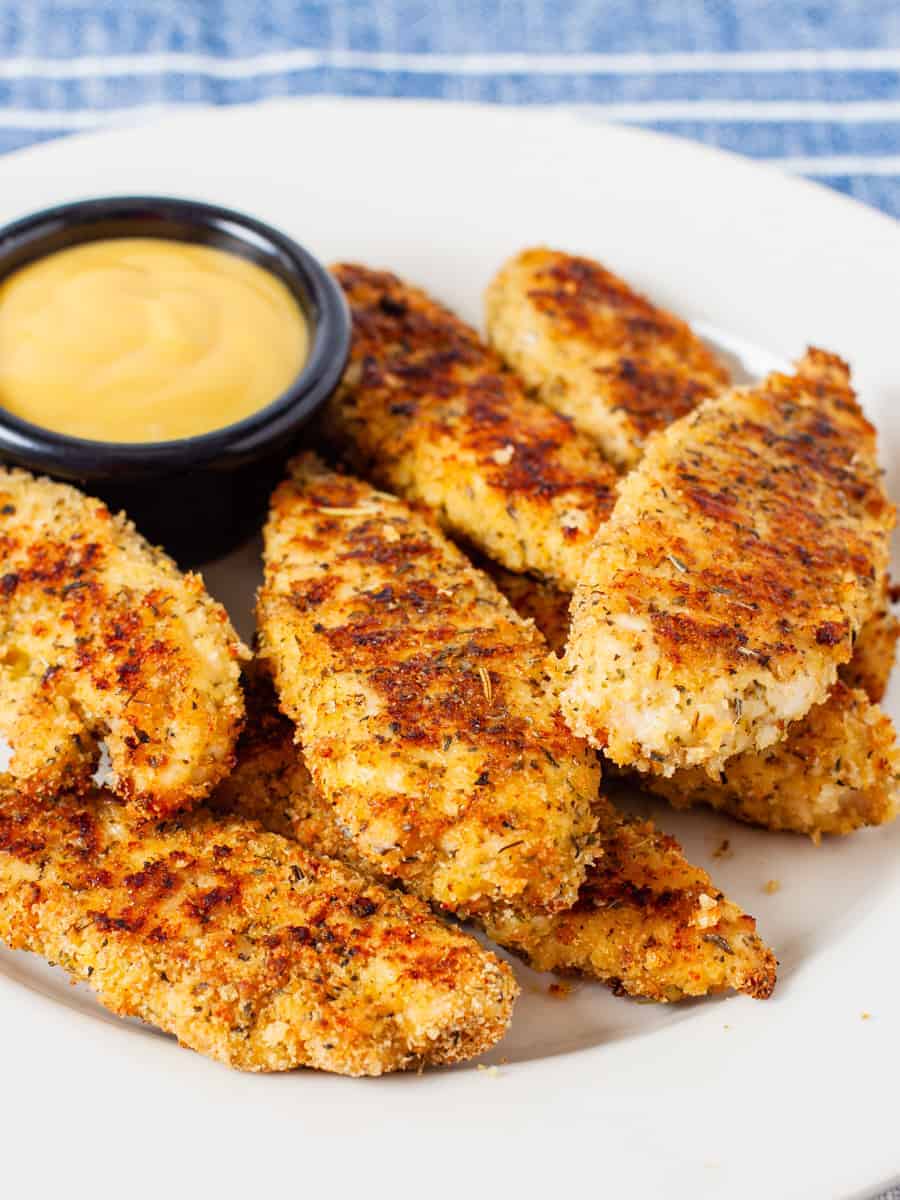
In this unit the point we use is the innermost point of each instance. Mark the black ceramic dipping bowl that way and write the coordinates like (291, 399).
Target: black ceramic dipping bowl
(196, 496)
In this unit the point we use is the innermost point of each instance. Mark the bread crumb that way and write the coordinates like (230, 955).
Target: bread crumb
(771, 886)
(723, 850)
(559, 990)
(866, 1016)
(492, 1072)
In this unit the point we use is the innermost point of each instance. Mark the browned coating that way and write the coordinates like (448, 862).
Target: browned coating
(646, 922)
(836, 771)
(103, 638)
(874, 651)
(596, 350)
(427, 707)
(242, 944)
(744, 554)
(428, 411)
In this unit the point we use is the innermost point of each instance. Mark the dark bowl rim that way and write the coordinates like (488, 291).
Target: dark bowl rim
(241, 440)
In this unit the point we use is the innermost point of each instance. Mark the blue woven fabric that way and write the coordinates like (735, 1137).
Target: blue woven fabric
(814, 84)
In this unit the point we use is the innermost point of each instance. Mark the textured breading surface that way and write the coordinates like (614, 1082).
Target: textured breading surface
(596, 351)
(874, 651)
(103, 638)
(427, 707)
(837, 770)
(646, 922)
(869, 667)
(535, 599)
(242, 944)
(744, 554)
(426, 409)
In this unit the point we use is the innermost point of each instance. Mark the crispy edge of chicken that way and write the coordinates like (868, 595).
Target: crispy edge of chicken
(428, 709)
(646, 923)
(595, 350)
(742, 558)
(104, 639)
(835, 770)
(427, 410)
(874, 651)
(244, 945)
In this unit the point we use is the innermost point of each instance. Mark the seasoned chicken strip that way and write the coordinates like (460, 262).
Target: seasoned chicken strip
(104, 638)
(869, 667)
(596, 351)
(428, 411)
(244, 945)
(535, 599)
(646, 922)
(836, 771)
(744, 554)
(427, 708)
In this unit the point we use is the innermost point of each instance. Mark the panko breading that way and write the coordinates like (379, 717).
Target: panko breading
(837, 770)
(242, 944)
(744, 554)
(869, 667)
(596, 351)
(874, 651)
(535, 599)
(105, 639)
(646, 922)
(426, 409)
(428, 709)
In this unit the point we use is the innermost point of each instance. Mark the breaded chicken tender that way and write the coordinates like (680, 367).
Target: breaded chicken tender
(869, 667)
(745, 552)
(596, 351)
(874, 652)
(646, 922)
(535, 599)
(427, 708)
(242, 944)
(105, 639)
(427, 410)
(837, 770)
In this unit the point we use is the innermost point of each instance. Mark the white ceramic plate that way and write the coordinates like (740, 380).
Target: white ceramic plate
(730, 1097)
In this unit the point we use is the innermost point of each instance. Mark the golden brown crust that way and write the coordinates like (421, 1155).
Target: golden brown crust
(744, 554)
(535, 599)
(639, 924)
(105, 639)
(874, 651)
(837, 770)
(428, 411)
(647, 923)
(869, 668)
(597, 351)
(240, 943)
(427, 708)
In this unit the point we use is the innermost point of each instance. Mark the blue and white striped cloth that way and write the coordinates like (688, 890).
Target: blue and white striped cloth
(812, 84)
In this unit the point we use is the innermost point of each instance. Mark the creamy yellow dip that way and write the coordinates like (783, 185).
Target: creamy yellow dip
(145, 340)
